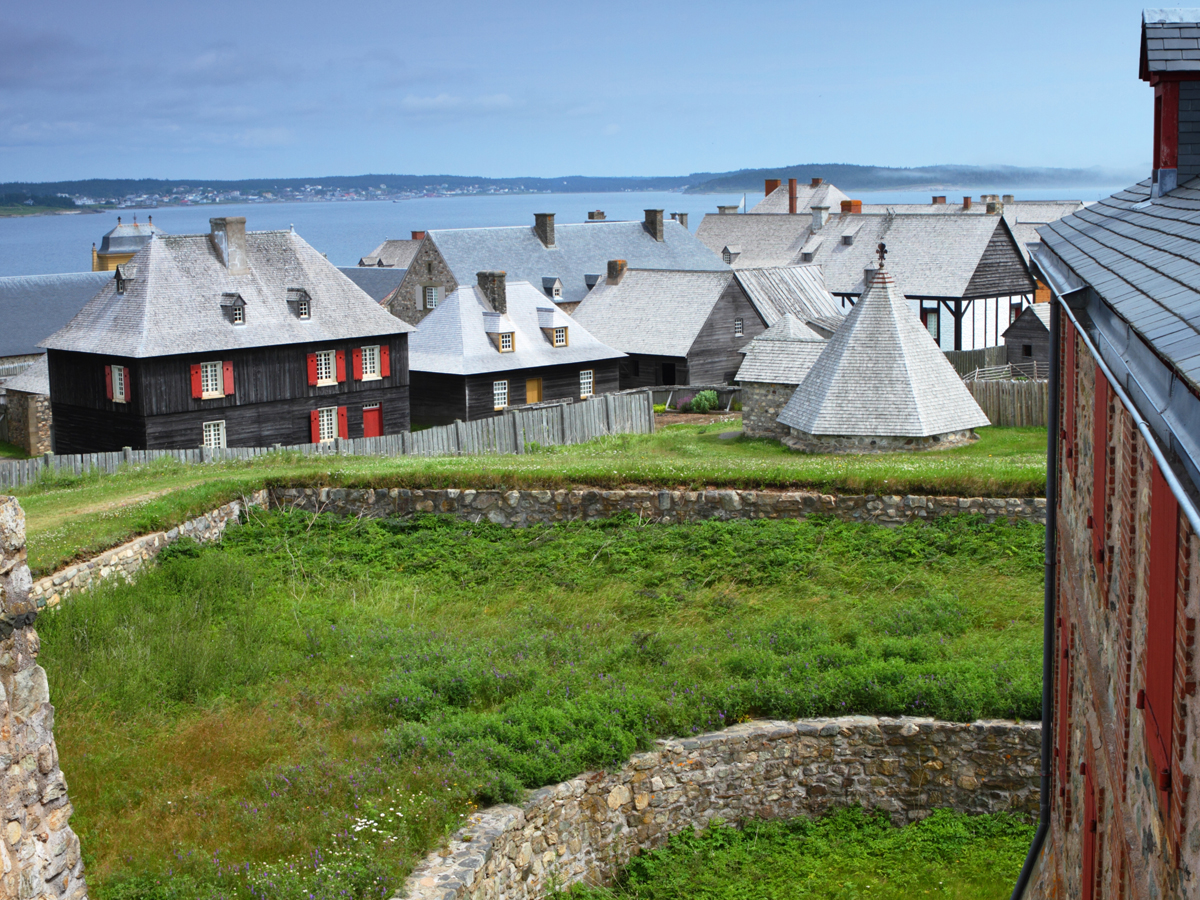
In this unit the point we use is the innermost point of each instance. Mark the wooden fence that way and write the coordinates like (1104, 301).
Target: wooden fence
(967, 361)
(1013, 403)
(513, 432)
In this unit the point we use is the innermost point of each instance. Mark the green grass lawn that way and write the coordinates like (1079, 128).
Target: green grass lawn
(69, 517)
(228, 720)
(847, 855)
(11, 451)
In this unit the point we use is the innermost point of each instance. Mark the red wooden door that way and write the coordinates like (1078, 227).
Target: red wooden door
(373, 421)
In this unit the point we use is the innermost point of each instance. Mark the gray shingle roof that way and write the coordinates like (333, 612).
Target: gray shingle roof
(392, 254)
(653, 311)
(377, 282)
(783, 354)
(35, 306)
(173, 304)
(1039, 311)
(882, 374)
(935, 256)
(34, 380)
(1170, 41)
(128, 237)
(807, 196)
(580, 249)
(1143, 259)
(453, 339)
(800, 290)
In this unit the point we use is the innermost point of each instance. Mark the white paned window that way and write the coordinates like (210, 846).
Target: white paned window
(431, 296)
(557, 292)
(118, 383)
(739, 327)
(239, 314)
(211, 381)
(506, 342)
(560, 337)
(587, 379)
(327, 423)
(499, 394)
(370, 363)
(303, 310)
(726, 257)
(214, 434)
(327, 367)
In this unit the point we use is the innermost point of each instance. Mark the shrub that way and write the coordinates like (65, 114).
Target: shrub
(705, 401)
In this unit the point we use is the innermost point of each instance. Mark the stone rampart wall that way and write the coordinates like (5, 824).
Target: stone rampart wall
(761, 405)
(589, 827)
(39, 853)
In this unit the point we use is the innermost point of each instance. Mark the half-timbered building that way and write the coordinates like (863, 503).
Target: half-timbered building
(231, 338)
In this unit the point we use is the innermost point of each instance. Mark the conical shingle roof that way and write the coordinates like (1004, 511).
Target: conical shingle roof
(882, 374)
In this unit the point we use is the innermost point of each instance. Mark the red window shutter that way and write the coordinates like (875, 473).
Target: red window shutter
(356, 359)
(1090, 825)
(1068, 383)
(341, 366)
(385, 361)
(197, 389)
(227, 376)
(108, 382)
(1100, 468)
(314, 421)
(128, 387)
(1063, 724)
(343, 423)
(312, 369)
(1160, 621)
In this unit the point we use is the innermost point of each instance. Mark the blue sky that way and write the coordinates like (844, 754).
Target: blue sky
(290, 89)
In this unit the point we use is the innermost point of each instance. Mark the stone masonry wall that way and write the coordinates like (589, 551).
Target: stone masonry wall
(39, 853)
(427, 267)
(761, 405)
(587, 829)
(29, 422)
(858, 443)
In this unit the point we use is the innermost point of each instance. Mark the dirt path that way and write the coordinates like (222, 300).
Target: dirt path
(661, 419)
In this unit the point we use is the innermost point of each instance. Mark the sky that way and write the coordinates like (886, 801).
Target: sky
(263, 88)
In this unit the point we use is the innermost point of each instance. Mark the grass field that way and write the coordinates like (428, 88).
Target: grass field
(71, 518)
(11, 451)
(847, 855)
(306, 709)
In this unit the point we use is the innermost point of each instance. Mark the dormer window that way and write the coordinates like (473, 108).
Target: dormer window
(560, 337)
(239, 315)
(303, 310)
(557, 292)
(726, 256)
(552, 287)
(123, 278)
(506, 342)
(806, 257)
(234, 307)
(299, 303)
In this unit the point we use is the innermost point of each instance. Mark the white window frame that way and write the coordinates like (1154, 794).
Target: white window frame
(212, 380)
(118, 384)
(327, 363)
(214, 435)
(739, 327)
(726, 257)
(509, 338)
(499, 394)
(239, 314)
(327, 423)
(429, 294)
(370, 363)
(587, 383)
(557, 291)
(560, 333)
(303, 310)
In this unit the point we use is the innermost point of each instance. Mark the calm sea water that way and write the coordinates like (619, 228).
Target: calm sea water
(39, 245)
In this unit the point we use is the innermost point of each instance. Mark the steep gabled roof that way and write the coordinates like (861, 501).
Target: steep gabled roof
(378, 283)
(453, 339)
(391, 255)
(653, 311)
(1035, 312)
(882, 374)
(807, 196)
(580, 249)
(34, 380)
(783, 354)
(764, 240)
(33, 307)
(173, 302)
(128, 237)
(799, 290)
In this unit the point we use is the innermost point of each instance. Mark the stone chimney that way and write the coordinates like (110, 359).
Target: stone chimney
(228, 236)
(995, 207)
(596, 215)
(681, 218)
(817, 182)
(1007, 198)
(792, 198)
(616, 270)
(939, 200)
(728, 210)
(493, 286)
(771, 185)
(543, 226)
(966, 203)
(654, 223)
(819, 215)
(418, 235)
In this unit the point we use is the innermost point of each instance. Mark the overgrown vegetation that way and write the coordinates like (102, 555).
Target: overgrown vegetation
(234, 718)
(76, 517)
(847, 855)
(11, 451)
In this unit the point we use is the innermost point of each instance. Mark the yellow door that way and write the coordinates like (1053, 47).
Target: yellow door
(533, 390)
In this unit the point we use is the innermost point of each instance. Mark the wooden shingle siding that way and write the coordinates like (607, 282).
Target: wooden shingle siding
(714, 356)
(1000, 269)
(1028, 330)
(650, 370)
(80, 429)
(438, 399)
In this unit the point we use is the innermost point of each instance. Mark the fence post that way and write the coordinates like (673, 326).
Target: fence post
(609, 415)
(562, 416)
(460, 437)
(650, 411)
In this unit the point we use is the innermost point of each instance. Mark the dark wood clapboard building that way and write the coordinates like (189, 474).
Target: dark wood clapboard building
(502, 344)
(227, 339)
(1027, 341)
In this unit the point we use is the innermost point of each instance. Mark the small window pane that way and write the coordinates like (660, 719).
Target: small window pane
(370, 362)
(211, 383)
(325, 367)
(506, 342)
(118, 383)
(499, 394)
(739, 327)
(302, 309)
(586, 379)
(431, 296)
(214, 434)
(327, 422)
(239, 315)
(560, 337)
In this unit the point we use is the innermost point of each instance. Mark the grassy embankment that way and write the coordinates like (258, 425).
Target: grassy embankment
(71, 518)
(11, 451)
(234, 719)
(843, 856)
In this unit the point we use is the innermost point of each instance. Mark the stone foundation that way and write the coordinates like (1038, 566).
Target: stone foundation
(761, 405)
(39, 853)
(587, 829)
(29, 422)
(858, 443)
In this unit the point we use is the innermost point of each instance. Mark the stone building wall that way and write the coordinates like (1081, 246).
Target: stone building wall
(39, 853)
(761, 405)
(589, 827)
(407, 302)
(857, 443)
(29, 422)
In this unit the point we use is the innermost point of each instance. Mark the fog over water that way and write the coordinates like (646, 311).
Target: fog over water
(346, 231)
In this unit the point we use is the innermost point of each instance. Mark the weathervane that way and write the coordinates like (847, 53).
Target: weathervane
(881, 250)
